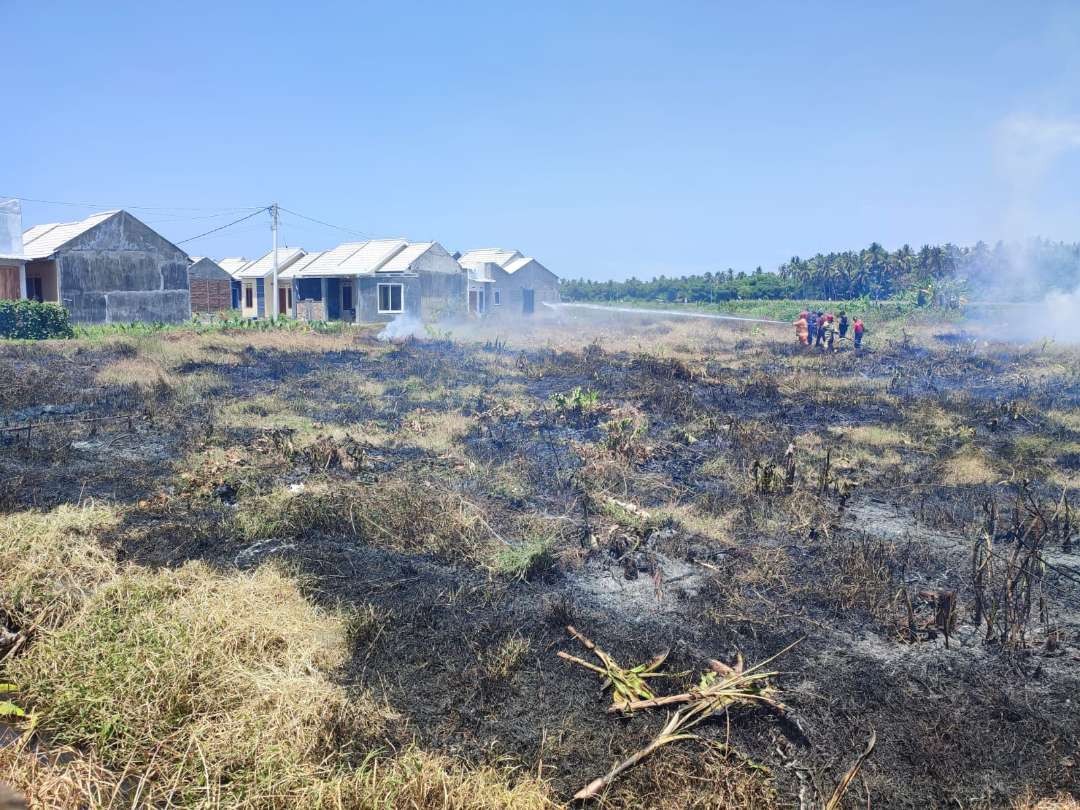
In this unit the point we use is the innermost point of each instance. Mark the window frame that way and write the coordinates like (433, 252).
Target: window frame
(390, 298)
(496, 298)
(249, 296)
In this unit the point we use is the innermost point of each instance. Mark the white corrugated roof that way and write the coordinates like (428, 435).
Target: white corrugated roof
(42, 241)
(355, 258)
(499, 256)
(233, 264)
(517, 264)
(400, 262)
(296, 269)
(264, 265)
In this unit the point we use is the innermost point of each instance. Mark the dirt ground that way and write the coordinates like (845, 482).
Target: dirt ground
(905, 516)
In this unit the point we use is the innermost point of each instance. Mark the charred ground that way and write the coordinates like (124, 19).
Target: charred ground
(707, 490)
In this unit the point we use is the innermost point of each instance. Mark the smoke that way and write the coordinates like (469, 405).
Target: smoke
(1028, 148)
(1060, 319)
(403, 327)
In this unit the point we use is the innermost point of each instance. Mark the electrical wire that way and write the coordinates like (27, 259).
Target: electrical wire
(163, 208)
(320, 222)
(223, 227)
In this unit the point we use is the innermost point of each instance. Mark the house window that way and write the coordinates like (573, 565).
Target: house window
(498, 298)
(249, 296)
(390, 297)
(346, 296)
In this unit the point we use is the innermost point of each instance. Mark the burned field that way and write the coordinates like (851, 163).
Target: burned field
(902, 522)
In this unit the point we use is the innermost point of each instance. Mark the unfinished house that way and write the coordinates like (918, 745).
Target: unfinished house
(257, 278)
(506, 281)
(12, 261)
(210, 286)
(107, 268)
(378, 280)
(233, 265)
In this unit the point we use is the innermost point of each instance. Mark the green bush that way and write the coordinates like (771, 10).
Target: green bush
(30, 320)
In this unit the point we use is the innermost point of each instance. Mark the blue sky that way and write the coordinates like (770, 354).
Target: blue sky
(608, 140)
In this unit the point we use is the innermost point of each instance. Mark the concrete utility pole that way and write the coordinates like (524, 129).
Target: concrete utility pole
(274, 228)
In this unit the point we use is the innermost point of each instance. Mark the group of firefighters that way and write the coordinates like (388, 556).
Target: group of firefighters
(826, 329)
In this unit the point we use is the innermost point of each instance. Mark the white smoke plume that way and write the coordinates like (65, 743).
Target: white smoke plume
(1027, 149)
(403, 327)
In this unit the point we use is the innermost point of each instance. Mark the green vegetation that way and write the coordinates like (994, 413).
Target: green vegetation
(941, 275)
(32, 320)
(578, 400)
(225, 322)
(527, 560)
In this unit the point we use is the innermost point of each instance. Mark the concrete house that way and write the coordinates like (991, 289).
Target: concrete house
(12, 260)
(107, 268)
(377, 280)
(232, 265)
(209, 285)
(503, 280)
(257, 277)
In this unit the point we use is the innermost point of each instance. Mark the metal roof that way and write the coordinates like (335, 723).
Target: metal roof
(402, 262)
(296, 268)
(264, 265)
(517, 264)
(205, 268)
(499, 256)
(233, 264)
(42, 241)
(354, 258)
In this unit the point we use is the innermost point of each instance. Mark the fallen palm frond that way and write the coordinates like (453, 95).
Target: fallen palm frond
(627, 685)
(720, 688)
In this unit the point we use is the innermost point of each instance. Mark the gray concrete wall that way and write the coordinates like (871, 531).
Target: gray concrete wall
(166, 306)
(442, 295)
(533, 276)
(367, 302)
(101, 270)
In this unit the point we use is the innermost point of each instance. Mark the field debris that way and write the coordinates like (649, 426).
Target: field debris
(721, 686)
(627, 685)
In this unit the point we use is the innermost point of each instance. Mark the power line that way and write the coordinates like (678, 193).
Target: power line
(133, 207)
(327, 224)
(223, 227)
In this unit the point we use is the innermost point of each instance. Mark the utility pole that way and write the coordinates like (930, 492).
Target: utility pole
(274, 228)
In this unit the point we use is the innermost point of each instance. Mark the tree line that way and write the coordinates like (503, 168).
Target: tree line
(934, 273)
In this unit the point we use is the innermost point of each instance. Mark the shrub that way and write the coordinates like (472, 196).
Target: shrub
(31, 320)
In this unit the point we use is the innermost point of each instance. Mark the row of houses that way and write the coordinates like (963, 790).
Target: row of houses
(111, 267)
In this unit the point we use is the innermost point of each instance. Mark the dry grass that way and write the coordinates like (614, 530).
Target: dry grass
(193, 688)
(872, 436)
(503, 660)
(407, 515)
(1069, 420)
(140, 371)
(212, 683)
(1062, 801)
(969, 466)
(51, 563)
(436, 431)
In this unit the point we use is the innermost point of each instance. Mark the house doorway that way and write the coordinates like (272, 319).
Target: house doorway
(528, 301)
(476, 302)
(346, 300)
(284, 297)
